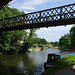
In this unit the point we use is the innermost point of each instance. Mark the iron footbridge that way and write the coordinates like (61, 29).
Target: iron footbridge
(63, 15)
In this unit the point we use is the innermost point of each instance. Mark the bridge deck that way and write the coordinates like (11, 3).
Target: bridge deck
(63, 15)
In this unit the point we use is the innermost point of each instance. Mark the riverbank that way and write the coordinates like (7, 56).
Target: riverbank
(60, 65)
(70, 70)
(38, 49)
(64, 49)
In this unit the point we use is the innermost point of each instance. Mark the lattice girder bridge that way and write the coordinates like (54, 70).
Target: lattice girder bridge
(63, 15)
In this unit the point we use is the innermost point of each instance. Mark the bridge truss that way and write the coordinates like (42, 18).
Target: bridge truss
(63, 15)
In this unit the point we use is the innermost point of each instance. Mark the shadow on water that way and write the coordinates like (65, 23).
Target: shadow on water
(29, 64)
(17, 65)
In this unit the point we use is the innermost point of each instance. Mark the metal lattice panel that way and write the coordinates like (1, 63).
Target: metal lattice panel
(54, 14)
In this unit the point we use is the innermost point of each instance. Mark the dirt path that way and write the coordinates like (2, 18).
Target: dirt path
(67, 71)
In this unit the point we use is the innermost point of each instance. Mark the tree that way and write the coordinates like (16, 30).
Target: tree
(72, 36)
(32, 33)
(43, 41)
(8, 40)
(65, 41)
(5, 40)
(18, 35)
(26, 45)
(28, 42)
(7, 12)
(55, 44)
(40, 41)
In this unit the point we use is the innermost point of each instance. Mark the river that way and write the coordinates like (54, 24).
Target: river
(25, 64)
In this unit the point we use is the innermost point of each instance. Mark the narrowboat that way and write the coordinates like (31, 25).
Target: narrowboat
(53, 57)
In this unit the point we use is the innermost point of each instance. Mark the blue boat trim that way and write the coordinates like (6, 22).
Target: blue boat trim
(62, 56)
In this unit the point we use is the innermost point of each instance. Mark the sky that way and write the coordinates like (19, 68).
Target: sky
(28, 6)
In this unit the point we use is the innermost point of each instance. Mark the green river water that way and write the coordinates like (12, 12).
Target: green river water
(25, 64)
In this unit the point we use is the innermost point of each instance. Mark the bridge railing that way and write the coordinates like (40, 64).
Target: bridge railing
(54, 14)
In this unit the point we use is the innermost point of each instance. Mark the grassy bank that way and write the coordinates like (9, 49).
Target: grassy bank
(60, 64)
(65, 49)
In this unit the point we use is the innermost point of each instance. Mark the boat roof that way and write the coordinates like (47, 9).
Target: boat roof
(53, 54)
(62, 53)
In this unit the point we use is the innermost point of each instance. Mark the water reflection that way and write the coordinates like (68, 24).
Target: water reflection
(29, 64)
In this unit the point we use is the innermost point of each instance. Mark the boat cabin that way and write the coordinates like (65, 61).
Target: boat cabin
(52, 58)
